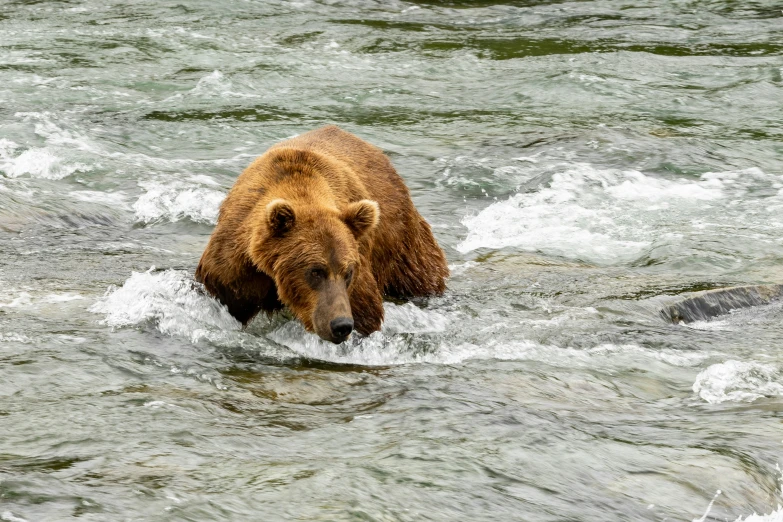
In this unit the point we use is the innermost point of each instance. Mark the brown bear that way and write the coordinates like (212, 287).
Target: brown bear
(322, 224)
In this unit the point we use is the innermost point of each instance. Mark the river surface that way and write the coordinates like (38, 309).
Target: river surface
(583, 164)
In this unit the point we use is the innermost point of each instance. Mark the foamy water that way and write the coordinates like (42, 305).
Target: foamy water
(172, 303)
(178, 200)
(739, 381)
(169, 300)
(609, 216)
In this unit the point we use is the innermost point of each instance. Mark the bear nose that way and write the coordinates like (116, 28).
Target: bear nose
(341, 327)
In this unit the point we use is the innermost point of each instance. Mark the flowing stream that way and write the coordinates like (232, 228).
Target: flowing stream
(583, 164)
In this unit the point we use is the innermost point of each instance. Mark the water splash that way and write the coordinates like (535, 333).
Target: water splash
(173, 304)
(738, 381)
(169, 300)
(606, 216)
(36, 162)
(178, 200)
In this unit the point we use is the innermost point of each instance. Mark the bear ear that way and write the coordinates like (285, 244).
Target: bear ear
(280, 215)
(361, 216)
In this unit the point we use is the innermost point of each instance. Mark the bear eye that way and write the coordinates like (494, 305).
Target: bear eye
(318, 273)
(348, 277)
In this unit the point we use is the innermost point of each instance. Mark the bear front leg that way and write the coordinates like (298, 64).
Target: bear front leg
(366, 302)
(244, 297)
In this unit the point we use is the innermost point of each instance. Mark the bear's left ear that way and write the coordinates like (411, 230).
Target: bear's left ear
(361, 216)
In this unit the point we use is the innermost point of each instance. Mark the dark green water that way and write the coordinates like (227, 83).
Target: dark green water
(582, 164)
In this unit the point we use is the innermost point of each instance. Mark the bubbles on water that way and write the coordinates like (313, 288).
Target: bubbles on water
(569, 218)
(607, 216)
(6, 147)
(408, 318)
(394, 345)
(635, 186)
(178, 200)
(391, 346)
(171, 301)
(714, 325)
(57, 159)
(54, 130)
(373, 350)
(382, 348)
(738, 381)
(173, 304)
(15, 337)
(37, 162)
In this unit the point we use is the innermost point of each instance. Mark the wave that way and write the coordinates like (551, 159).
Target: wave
(172, 303)
(38, 162)
(177, 200)
(737, 381)
(606, 216)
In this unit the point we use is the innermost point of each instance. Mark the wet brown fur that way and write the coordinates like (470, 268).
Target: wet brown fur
(253, 262)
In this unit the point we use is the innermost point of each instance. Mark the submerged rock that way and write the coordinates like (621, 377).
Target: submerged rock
(711, 303)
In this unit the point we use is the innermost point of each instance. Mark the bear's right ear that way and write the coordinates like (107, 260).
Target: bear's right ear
(361, 216)
(280, 216)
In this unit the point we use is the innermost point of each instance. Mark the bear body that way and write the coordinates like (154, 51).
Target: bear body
(322, 224)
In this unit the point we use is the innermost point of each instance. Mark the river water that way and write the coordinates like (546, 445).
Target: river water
(583, 164)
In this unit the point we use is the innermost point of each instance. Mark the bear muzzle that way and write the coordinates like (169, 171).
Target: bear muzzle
(332, 318)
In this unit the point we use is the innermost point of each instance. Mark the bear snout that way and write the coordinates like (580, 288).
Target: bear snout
(332, 317)
(341, 328)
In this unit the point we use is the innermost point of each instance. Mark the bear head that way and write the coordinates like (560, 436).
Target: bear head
(312, 253)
